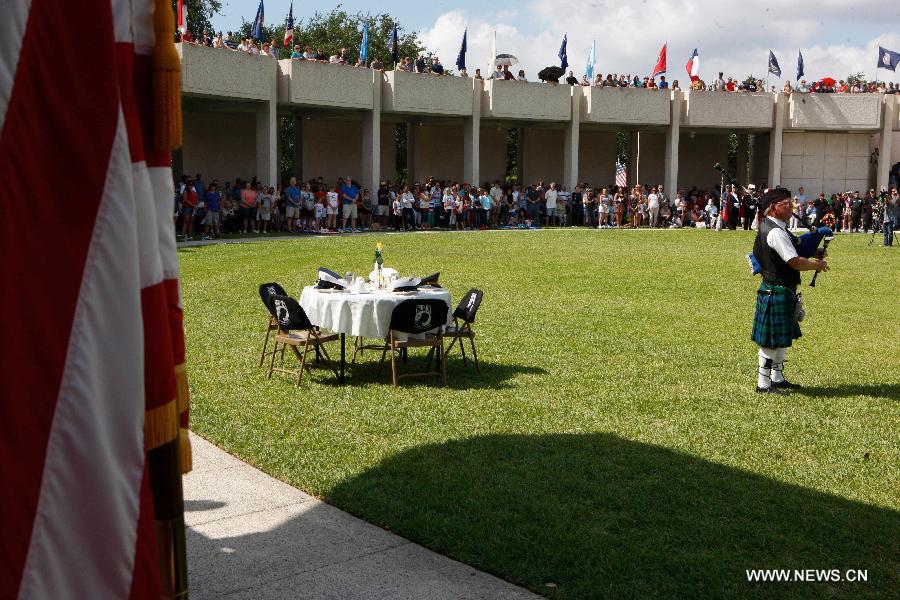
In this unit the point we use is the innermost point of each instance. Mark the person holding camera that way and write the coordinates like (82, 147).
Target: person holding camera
(778, 309)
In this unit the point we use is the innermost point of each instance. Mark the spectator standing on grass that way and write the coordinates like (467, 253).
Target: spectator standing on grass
(189, 201)
(485, 214)
(383, 208)
(309, 220)
(890, 216)
(653, 207)
(496, 193)
(331, 209)
(550, 197)
(248, 208)
(292, 202)
(349, 196)
(406, 204)
(265, 208)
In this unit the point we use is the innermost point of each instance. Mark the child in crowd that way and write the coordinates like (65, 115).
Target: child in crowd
(331, 210)
(319, 212)
(397, 212)
(265, 208)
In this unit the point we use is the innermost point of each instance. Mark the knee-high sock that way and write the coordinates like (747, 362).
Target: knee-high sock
(778, 365)
(766, 358)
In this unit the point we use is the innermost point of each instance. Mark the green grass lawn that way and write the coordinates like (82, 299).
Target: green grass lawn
(613, 444)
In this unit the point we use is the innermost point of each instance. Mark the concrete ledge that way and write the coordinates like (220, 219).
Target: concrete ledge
(625, 105)
(526, 101)
(215, 72)
(426, 94)
(721, 109)
(836, 111)
(321, 84)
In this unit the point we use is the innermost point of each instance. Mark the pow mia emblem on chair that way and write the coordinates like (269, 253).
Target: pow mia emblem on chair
(281, 311)
(423, 316)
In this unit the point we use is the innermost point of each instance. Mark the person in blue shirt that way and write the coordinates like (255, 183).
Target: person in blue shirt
(297, 54)
(213, 199)
(349, 195)
(292, 203)
(484, 213)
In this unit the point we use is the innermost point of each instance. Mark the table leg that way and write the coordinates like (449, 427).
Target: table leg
(343, 357)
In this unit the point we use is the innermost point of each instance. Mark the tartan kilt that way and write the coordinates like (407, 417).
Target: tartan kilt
(773, 323)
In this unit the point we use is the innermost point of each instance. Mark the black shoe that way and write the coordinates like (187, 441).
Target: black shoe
(786, 385)
(772, 390)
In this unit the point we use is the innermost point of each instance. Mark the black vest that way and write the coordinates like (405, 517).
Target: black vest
(774, 269)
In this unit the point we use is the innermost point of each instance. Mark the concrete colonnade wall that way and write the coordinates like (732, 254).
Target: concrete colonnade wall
(825, 162)
(597, 157)
(439, 152)
(492, 151)
(697, 155)
(331, 149)
(216, 151)
(543, 155)
(652, 159)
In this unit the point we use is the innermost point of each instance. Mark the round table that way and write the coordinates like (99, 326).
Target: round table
(364, 314)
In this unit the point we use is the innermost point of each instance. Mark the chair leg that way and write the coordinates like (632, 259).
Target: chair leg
(474, 353)
(303, 360)
(393, 361)
(383, 355)
(262, 355)
(444, 360)
(462, 348)
(272, 361)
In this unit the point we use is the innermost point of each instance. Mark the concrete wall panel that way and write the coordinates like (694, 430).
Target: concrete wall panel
(652, 167)
(388, 151)
(426, 94)
(219, 152)
(832, 162)
(835, 167)
(813, 167)
(597, 157)
(792, 144)
(492, 152)
(625, 105)
(697, 155)
(439, 153)
(835, 144)
(717, 109)
(321, 84)
(543, 155)
(212, 72)
(526, 101)
(792, 167)
(858, 145)
(332, 149)
(836, 111)
(813, 144)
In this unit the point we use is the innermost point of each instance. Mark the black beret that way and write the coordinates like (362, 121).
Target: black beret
(773, 196)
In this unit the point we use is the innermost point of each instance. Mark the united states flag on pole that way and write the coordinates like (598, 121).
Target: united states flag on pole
(621, 175)
(289, 27)
(93, 401)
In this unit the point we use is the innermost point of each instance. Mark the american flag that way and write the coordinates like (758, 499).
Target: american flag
(289, 27)
(93, 401)
(621, 175)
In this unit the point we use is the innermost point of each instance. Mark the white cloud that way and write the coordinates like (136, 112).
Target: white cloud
(836, 37)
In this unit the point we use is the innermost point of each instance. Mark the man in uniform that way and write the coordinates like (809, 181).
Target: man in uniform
(775, 325)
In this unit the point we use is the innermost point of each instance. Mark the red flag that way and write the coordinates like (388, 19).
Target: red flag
(182, 16)
(660, 63)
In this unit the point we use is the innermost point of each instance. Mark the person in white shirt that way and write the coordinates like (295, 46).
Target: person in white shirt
(712, 212)
(331, 209)
(407, 201)
(550, 197)
(447, 202)
(603, 209)
(653, 207)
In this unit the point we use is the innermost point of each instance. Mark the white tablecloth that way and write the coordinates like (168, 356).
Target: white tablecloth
(367, 314)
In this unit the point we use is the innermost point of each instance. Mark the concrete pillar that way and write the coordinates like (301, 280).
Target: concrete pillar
(520, 155)
(267, 141)
(570, 145)
(882, 176)
(634, 151)
(472, 137)
(371, 138)
(742, 172)
(298, 149)
(775, 139)
(411, 126)
(673, 134)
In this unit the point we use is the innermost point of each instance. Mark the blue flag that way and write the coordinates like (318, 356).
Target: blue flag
(364, 47)
(392, 44)
(563, 57)
(774, 69)
(887, 59)
(258, 22)
(592, 60)
(461, 57)
(799, 65)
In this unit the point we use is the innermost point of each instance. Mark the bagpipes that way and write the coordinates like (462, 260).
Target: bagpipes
(808, 245)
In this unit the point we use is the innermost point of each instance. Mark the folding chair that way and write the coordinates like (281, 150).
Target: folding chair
(266, 291)
(465, 312)
(417, 317)
(295, 330)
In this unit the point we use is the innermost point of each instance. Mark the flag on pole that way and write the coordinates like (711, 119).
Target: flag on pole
(563, 57)
(94, 438)
(660, 67)
(621, 175)
(592, 60)
(887, 59)
(461, 57)
(289, 27)
(392, 45)
(182, 17)
(493, 57)
(258, 23)
(693, 66)
(774, 69)
(364, 46)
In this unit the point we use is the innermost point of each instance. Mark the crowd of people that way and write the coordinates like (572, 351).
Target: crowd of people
(316, 206)
(432, 65)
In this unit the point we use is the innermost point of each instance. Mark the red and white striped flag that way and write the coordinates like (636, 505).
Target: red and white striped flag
(621, 175)
(289, 27)
(93, 397)
(182, 16)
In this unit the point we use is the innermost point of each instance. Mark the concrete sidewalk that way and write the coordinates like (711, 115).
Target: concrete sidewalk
(252, 536)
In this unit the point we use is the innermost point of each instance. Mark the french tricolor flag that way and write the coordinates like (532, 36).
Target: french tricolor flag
(693, 66)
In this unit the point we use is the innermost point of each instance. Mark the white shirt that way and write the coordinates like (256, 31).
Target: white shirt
(550, 198)
(332, 200)
(653, 201)
(406, 200)
(779, 240)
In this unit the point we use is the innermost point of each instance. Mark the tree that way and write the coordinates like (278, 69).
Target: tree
(199, 14)
(338, 29)
(853, 78)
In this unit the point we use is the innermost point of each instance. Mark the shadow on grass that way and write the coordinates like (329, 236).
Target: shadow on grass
(889, 391)
(494, 376)
(600, 516)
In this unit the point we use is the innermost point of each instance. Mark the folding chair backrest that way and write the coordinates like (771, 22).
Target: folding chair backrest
(267, 290)
(419, 316)
(289, 313)
(468, 306)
